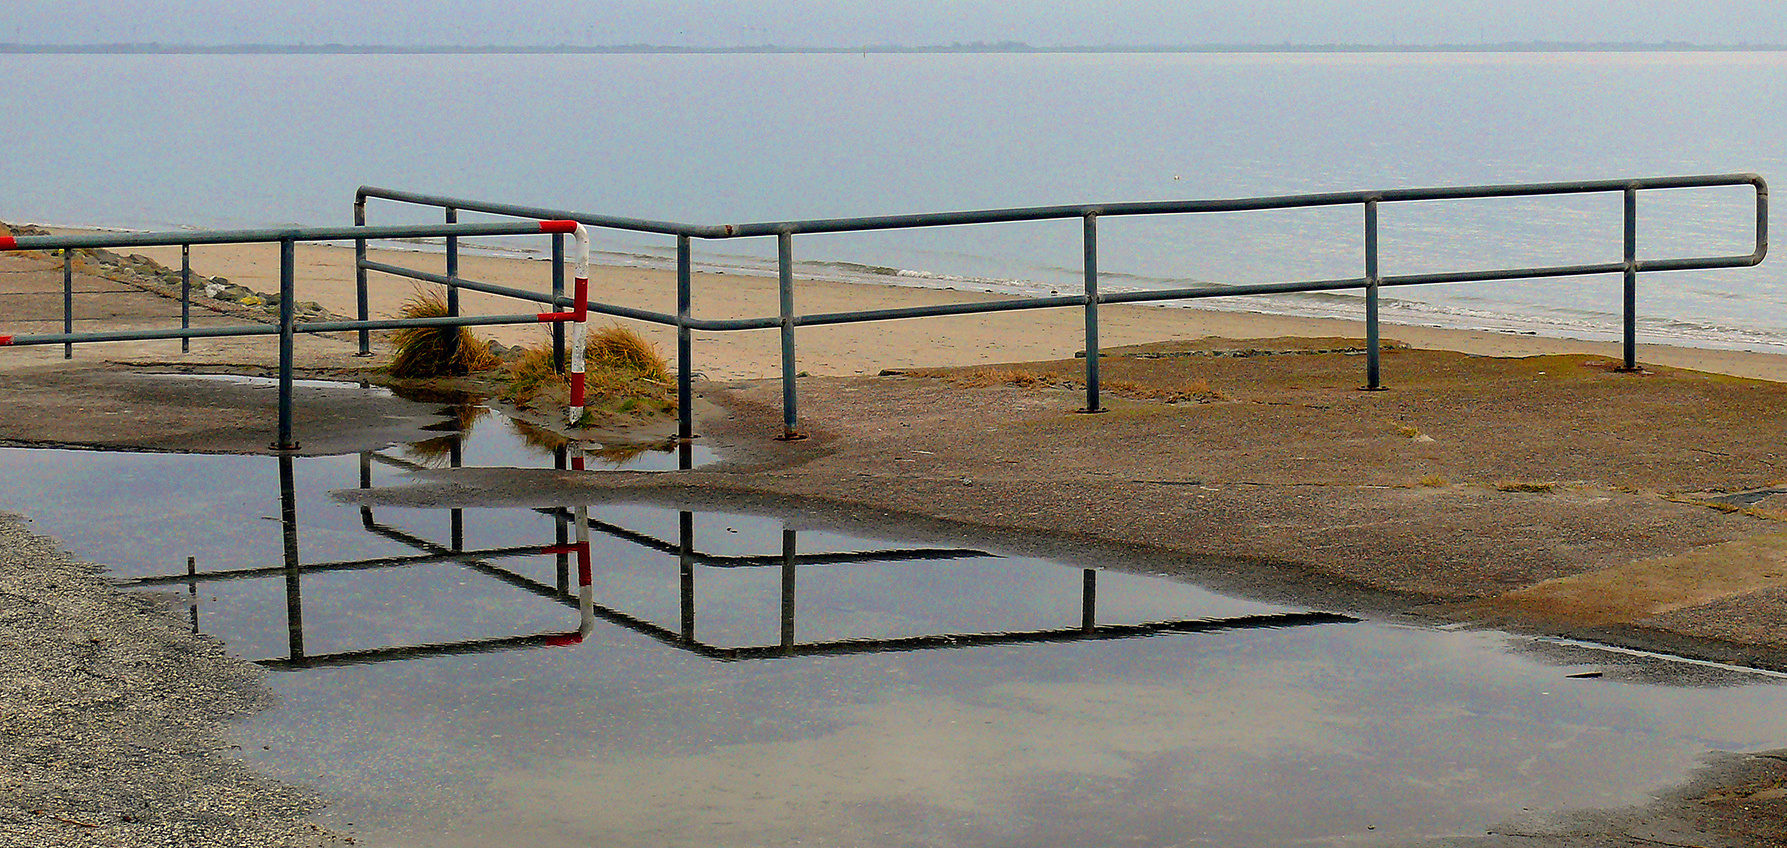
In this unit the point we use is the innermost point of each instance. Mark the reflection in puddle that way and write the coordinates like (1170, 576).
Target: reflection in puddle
(483, 676)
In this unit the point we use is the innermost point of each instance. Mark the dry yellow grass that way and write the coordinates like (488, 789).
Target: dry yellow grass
(1533, 486)
(424, 352)
(1177, 392)
(623, 373)
(1196, 391)
(976, 378)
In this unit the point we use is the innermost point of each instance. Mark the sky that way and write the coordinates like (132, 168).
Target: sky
(711, 23)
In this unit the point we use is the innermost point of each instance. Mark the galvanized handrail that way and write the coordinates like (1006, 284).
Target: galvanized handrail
(1371, 281)
(287, 239)
(786, 320)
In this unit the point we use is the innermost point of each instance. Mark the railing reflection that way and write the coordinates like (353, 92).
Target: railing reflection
(572, 529)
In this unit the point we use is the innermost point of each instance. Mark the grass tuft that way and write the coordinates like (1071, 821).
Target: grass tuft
(424, 352)
(623, 373)
(1532, 486)
(980, 378)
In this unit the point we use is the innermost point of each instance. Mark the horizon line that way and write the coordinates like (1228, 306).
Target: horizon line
(1529, 46)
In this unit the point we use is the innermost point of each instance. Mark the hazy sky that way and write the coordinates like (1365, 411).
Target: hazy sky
(854, 22)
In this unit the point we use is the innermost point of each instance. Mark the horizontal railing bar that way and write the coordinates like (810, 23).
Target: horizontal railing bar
(636, 314)
(1748, 261)
(272, 235)
(650, 542)
(272, 330)
(1238, 289)
(324, 567)
(909, 643)
(146, 335)
(522, 294)
(462, 282)
(400, 323)
(1039, 213)
(832, 318)
(588, 219)
(823, 318)
(1098, 633)
(369, 656)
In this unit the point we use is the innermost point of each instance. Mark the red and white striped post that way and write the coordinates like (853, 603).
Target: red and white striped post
(586, 598)
(579, 314)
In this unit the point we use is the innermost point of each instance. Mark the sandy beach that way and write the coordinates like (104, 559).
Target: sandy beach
(326, 275)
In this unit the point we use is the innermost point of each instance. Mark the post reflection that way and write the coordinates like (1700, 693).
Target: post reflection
(571, 533)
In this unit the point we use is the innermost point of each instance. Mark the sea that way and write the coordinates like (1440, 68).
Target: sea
(169, 142)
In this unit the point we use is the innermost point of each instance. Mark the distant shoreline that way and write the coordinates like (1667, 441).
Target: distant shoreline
(968, 48)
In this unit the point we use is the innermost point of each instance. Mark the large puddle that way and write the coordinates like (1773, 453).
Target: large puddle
(460, 677)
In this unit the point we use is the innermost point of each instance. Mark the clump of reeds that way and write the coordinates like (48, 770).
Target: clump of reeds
(423, 352)
(622, 373)
(978, 378)
(1196, 391)
(1193, 391)
(1530, 486)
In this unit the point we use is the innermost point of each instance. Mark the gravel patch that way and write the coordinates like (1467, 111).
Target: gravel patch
(113, 719)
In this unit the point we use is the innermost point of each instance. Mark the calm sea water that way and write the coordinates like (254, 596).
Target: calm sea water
(161, 142)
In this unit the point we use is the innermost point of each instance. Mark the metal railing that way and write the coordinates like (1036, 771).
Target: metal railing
(787, 319)
(287, 327)
(1371, 281)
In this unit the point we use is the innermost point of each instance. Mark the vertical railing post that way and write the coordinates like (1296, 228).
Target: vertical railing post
(456, 516)
(785, 285)
(364, 307)
(1088, 599)
(685, 353)
(68, 300)
(186, 296)
(1373, 347)
(1630, 293)
(452, 345)
(558, 291)
(788, 549)
(561, 527)
(294, 598)
(288, 264)
(1090, 244)
(686, 571)
(192, 590)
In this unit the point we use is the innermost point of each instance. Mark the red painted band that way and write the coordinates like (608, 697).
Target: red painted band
(577, 388)
(559, 549)
(581, 288)
(558, 226)
(565, 639)
(577, 463)
(555, 317)
(5, 340)
(583, 567)
(8, 243)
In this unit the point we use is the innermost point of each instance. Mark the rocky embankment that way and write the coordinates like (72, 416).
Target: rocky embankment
(217, 294)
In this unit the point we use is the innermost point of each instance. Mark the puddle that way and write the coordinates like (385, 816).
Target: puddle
(455, 678)
(272, 383)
